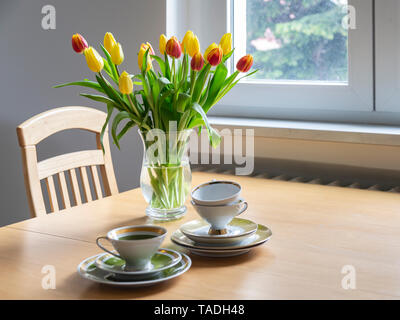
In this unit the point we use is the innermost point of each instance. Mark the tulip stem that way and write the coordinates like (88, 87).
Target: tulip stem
(116, 68)
(132, 105)
(173, 72)
(193, 74)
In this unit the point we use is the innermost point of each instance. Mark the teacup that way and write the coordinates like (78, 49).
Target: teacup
(135, 244)
(216, 193)
(219, 216)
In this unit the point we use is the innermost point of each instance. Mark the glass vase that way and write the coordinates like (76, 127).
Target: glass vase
(166, 177)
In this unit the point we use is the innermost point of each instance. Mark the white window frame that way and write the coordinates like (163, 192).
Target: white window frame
(356, 95)
(387, 44)
(355, 102)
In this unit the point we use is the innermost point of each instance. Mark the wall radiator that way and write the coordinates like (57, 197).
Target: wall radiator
(320, 181)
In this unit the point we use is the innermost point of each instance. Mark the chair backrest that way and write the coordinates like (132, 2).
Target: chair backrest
(66, 166)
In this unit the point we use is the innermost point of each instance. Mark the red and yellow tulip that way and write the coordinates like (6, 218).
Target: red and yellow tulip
(173, 48)
(245, 63)
(197, 61)
(79, 43)
(142, 51)
(214, 57)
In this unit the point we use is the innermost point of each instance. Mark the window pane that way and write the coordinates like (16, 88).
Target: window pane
(298, 39)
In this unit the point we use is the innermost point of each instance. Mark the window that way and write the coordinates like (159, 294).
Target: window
(297, 40)
(311, 68)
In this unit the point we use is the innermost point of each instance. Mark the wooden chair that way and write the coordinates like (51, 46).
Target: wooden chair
(43, 125)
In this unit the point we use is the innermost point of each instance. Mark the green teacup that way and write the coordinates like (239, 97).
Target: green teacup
(135, 244)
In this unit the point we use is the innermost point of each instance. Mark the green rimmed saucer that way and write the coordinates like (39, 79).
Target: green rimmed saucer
(88, 270)
(163, 259)
(262, 235)
(237, 230)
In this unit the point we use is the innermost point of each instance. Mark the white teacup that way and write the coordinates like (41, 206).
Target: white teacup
(216, 193)
(135, 244)
(219, 216)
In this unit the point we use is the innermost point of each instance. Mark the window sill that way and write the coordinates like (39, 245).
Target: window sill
(318, 131)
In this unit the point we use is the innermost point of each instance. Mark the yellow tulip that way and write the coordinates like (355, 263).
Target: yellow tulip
(109, 42)
(117, 55)
(162, 44)
(93, 59)
(141, 54)
(189, 35)
(226, 43)
(208, 50)
(190, 43)
(194, 47)
(125, 83)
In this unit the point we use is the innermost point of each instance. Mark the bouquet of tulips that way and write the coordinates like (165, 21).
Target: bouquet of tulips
(184, 90)
(185, 86)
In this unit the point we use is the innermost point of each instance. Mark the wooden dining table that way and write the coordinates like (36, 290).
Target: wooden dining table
(327, 243)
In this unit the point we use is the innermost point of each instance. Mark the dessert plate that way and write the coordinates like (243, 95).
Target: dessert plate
(163, 259)
(262, 235)
(88, 270)
(238, 230)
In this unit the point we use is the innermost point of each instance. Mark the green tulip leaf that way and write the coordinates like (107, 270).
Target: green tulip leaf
(213, 135)
(85, 83)
(182, 102)
(110, 109)
(216, 85)
(127, 126)
(97, 98)
(117, 119)
(160, 62)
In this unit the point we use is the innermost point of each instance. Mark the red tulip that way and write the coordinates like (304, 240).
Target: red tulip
(79, 43)
(214, 57)
(197, 62)
(245, 63)
(173, 48)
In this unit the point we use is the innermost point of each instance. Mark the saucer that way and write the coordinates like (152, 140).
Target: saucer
(88, 270)
(163, 259)
(237, 230)
(262, 235)
(218, 253)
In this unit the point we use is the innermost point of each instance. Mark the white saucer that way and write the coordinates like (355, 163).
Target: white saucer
(262, 235)
(88, 270)
(237, 230)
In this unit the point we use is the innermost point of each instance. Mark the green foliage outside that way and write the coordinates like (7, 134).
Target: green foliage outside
(311, 41)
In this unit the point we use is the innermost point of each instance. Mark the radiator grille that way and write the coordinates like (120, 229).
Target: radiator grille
(316, 180)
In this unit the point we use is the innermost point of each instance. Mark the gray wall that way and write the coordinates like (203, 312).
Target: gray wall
(32, 60)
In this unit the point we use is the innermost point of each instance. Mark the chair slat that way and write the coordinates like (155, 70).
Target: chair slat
(96, 182)
(69, 161)
(64, 190)
(75, 187)
(85, 184)
(51, 190)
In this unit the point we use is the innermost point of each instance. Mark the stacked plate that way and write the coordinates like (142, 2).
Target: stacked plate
(106, 268)
(219, 233)
(241, 236)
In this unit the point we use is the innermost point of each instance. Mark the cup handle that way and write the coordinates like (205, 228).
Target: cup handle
(106, 250)
(244, 204)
